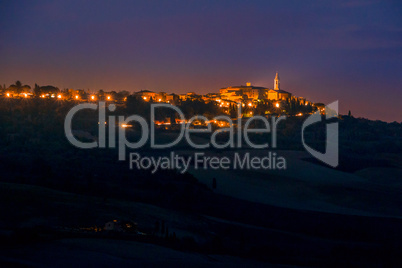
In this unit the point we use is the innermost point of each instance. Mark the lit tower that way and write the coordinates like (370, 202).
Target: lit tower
(277, 82)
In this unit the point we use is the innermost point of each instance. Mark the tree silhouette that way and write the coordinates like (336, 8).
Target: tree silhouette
(18, 88)
(36, 90)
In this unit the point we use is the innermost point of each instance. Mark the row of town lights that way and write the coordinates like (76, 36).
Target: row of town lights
(93, 97)
(250, 104)
(58, 96)
(25, 95)
(145, 98)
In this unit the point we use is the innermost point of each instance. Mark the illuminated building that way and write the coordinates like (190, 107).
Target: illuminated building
(249, 92)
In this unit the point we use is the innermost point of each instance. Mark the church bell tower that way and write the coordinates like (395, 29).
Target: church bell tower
(277, 82)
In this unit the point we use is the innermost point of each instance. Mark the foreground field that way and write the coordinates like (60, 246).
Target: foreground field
(308, 186)
(232, 232)
(112, 253)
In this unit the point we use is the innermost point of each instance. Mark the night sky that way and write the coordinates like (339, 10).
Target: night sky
(349, 51)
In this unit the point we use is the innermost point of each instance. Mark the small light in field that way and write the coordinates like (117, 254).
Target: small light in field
(92, 97)
(8, 94)
(76, 97)
(59, 96)
(108, 97)
(277, 105)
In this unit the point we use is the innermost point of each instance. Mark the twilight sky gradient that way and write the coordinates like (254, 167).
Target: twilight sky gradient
(346, 50)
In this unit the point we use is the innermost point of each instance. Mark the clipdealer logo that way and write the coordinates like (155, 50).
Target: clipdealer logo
(236, 135)
(331, 155)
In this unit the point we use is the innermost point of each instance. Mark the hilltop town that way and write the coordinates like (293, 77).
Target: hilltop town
(253, 99)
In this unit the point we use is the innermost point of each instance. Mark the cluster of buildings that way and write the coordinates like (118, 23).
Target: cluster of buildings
(252, 93)
(227, 95)
(248, 95)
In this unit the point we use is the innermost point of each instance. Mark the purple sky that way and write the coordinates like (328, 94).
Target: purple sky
(349, 51)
